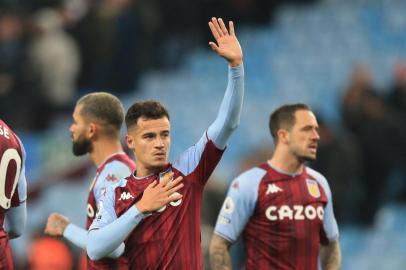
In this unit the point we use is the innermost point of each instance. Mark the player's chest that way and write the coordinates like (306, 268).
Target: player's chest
(291, 200)
(134, 190)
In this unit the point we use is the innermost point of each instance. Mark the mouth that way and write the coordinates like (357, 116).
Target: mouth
(313, 148)
(160, 155)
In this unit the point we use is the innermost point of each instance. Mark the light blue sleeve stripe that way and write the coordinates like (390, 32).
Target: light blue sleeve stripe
(329, 221)
(228, 117)
(239, 204)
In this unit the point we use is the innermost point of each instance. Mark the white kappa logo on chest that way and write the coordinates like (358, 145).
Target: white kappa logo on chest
(125, 196)
(272, 188)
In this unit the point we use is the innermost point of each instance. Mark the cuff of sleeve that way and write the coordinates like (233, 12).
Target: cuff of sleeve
(224, 237)
(236, 71)
(136, 213)
(68, 230)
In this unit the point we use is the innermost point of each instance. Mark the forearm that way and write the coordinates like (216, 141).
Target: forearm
(331, 256)
(228, 117)
(78, 237)
(15, 221)
(103, 241)
(219, 254)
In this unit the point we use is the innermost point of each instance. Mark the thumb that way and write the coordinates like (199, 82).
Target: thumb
(214, 46)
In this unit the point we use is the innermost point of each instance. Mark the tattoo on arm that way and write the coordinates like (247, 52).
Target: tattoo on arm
(219, 254)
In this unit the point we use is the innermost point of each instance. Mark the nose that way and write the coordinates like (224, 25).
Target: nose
(316, 135)
(160, 143)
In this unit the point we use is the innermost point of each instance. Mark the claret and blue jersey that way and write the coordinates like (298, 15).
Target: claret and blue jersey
(170, 237)
(283, 218)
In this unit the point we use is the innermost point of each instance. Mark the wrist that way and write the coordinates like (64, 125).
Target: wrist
(141, 208)
(235, 63)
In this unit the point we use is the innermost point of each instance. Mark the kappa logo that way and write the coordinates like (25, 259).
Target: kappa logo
(272, 188)
(125, 196)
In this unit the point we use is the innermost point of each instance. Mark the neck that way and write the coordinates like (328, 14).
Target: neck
(142, 171)
(103, 149)
(285, 161)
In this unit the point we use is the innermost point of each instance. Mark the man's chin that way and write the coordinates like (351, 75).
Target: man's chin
(160, 165)
(310, 158)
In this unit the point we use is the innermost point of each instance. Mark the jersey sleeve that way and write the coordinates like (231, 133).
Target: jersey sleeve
(106, 213)
(110, 176)
(330, 226)
(228, 117)
(200, 160)
(21, 195)
(239, 205)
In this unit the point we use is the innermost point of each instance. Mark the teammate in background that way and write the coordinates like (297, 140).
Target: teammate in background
(168, 238)
(283, 208)
(97, 119)
(13, 192)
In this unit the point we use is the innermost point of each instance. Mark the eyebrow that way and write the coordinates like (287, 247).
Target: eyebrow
(310, 126)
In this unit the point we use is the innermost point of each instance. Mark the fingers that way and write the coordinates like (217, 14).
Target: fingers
(174, 182)
(222, 26)
(152, 185)
(214, 31)
(166, 178)
(214, 46)
(231, 27)
(173, 197)
(173, 190)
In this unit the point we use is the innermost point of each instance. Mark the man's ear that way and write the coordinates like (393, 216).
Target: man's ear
(92, 131)
(283, 136)
(130, 141)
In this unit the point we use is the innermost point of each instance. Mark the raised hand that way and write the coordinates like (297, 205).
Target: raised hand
(157, 195)
(227, 44)
(56, 224)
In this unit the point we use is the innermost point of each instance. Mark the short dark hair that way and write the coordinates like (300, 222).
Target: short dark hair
(105, 108)
(149, 109)
(284, 117)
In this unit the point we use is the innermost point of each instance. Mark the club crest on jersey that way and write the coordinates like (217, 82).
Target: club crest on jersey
(111, 178)
(165, 175)
(313, 188)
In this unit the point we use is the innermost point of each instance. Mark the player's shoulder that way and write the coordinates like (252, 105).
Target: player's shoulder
(117, 169)
(250, 178)
(319, 178)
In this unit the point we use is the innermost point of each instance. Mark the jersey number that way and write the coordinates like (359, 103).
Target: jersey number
(8, 155)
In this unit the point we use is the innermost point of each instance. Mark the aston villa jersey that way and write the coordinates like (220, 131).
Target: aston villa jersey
(170, 237)
(114, 168)
(283, 218)
(13, 186)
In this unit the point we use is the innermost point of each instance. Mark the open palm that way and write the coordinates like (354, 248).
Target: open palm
(227, 44)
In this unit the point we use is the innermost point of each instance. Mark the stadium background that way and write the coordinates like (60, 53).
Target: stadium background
(346, 58)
